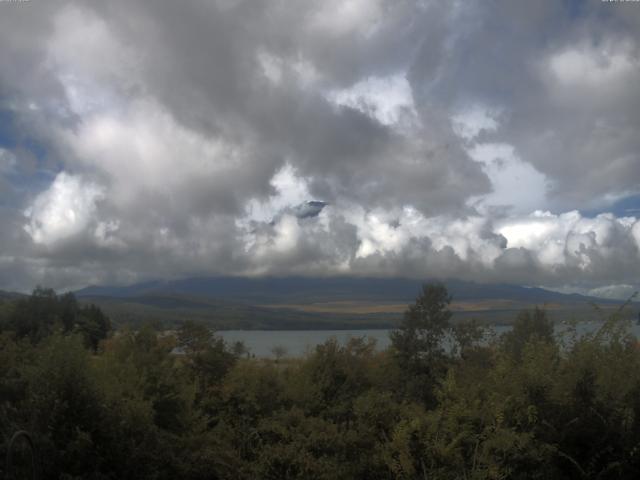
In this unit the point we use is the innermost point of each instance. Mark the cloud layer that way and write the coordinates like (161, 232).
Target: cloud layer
(439, 139)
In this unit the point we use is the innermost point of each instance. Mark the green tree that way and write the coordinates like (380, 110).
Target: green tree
(418, 341)
(34, 317)
(529, 326)
(64, 407)
(206, 354)
(43, 312)
(335, 375)
(93, 324)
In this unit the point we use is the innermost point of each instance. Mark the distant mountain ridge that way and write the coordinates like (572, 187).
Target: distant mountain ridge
(4, 295)
(269, 290)
(307, 303)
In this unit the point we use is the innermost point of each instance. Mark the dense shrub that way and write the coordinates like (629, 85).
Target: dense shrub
(143, 404)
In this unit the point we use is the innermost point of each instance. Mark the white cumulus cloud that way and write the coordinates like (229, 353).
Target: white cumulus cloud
(65, 209)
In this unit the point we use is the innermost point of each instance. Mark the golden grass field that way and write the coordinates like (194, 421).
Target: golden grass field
(364, 308)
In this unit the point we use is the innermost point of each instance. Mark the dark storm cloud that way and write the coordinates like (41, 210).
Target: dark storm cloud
(206, 70)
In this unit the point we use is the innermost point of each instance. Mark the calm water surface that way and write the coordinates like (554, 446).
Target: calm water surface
(299, 342)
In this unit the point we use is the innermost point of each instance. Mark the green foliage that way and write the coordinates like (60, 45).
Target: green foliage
(418, 342)
(43, 312)
(528, 326)
(65, 402)
(144, 404)
(206, 355)
(92, 324)
(418, 339)
(335, 376)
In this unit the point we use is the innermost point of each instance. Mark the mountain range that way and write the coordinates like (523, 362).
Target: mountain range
(319, 303)
(307, 303)
(309, 289)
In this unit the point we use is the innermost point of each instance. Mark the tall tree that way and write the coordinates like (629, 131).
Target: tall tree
(418, 341)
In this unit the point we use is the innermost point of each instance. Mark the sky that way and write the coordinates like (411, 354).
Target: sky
(493, 141)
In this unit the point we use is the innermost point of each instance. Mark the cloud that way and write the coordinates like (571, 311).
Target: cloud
(622, 292)
(591, 68)
(64, 210)
(516, 184)
(592, 246)
(7, 161)
(363, 137)
(387, 100)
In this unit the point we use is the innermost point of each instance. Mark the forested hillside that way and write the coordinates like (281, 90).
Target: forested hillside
(128, 404)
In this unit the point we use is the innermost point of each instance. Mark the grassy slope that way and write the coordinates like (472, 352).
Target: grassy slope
(225, 315)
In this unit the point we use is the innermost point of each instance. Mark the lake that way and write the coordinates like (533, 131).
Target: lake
(298, 342)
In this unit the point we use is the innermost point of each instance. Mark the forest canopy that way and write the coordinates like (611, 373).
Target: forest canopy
(138, 404)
